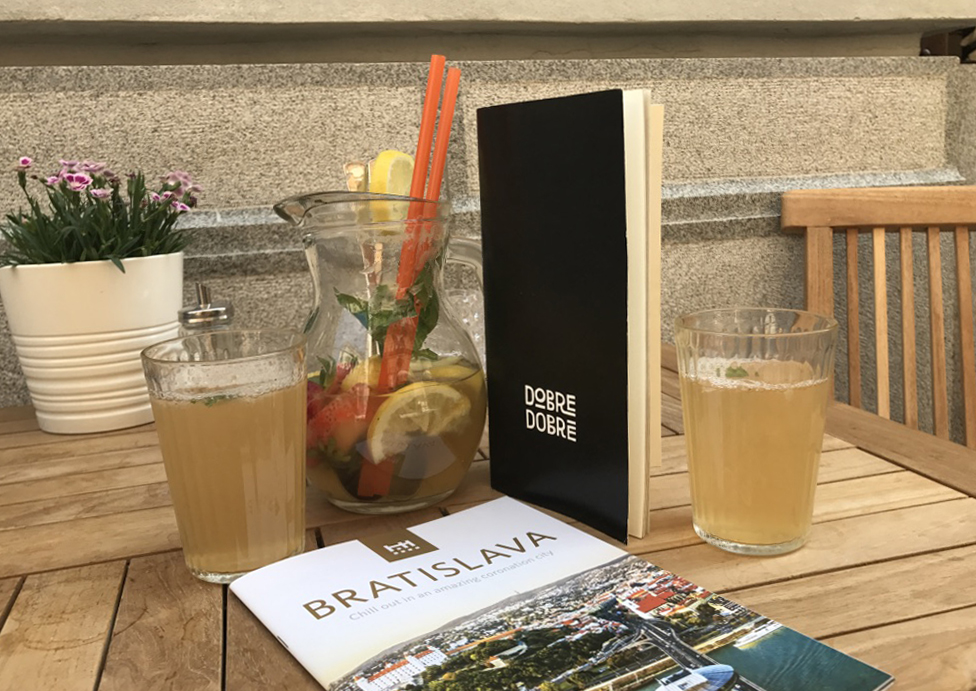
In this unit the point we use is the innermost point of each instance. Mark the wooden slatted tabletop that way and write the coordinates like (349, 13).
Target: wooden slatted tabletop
(94, 593)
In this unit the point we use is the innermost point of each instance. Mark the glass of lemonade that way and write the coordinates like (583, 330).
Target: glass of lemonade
(754, 386)
(230, 413)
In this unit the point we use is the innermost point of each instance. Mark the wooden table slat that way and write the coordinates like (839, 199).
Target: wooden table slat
(83, 483)
(8, 589)
(17, 413)
(835, 464)
(671, 415)
(256, 661)
(24, 425)
(799, 603)
(834, 545)
(839, 499)
(29, 468)
(92, 505)
(935, 653)
(941, 460)
(27, 446)
(56, 632)
(168, 631)
(86, 541)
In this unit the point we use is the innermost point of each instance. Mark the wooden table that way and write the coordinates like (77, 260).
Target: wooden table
(94, 593)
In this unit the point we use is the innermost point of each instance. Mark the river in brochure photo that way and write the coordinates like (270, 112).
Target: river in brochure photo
(502, 596)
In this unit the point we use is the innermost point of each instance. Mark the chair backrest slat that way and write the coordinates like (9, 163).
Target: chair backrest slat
(964, 284)
(853, 327)
(878, 206)
(819, 282)
(940, 397)
(881, 321)
(909, 212)
(908, 361)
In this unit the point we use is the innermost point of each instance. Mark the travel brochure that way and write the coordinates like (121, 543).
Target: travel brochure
(503, 596)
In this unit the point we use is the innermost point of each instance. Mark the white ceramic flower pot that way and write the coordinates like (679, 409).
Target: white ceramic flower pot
(78, 330)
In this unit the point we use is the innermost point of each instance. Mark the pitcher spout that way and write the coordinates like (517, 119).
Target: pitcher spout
(293, 209)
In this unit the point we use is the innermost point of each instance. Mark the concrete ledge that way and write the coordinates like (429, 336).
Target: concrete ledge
(511, 13)
(227, 31)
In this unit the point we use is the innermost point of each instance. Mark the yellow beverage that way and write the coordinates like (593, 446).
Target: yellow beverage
(754, 431)
(409, 447)
(236, 474)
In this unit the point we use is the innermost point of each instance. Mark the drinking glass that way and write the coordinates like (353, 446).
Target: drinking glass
(754, 388)
(230, 413)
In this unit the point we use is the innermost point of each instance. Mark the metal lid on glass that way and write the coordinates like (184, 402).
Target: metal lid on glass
(207, 312)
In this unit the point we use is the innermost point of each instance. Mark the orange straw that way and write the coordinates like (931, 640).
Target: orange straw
(400, 336)
(408, 253)
(438, 164)
(443, 134)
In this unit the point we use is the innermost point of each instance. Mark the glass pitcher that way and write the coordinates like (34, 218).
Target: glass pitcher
(396, 392)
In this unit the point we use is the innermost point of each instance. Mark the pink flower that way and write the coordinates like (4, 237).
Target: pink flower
(180, 206)
(77, 181)
(24, 162)
(68, 165)
(167, 195)
(91, 167)
(155, 197)
(100, 193)
(53, 180)
(180, 177)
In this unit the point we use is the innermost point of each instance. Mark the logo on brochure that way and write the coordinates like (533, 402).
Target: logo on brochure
(398, 544)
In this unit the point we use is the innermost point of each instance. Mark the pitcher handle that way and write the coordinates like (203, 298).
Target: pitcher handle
(467, 252)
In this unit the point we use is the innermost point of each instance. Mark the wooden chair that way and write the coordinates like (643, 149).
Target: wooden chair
(902, 210)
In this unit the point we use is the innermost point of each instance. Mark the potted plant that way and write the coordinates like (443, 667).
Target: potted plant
(91, 272)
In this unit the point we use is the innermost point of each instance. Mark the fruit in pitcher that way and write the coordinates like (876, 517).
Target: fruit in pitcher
(421, 408)
(343, 420)
(365, 372)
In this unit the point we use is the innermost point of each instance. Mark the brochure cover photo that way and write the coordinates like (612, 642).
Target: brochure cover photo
(502, 596)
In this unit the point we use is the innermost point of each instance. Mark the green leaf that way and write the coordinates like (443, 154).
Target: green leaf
(423, 291)
(212, 400)
(382, 309)
(735, 372)
(426, 354)
(327, 371)
(429, 315)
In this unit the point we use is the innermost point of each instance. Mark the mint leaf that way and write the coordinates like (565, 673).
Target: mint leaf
(212, 400)
(383, 309)
(736, 372)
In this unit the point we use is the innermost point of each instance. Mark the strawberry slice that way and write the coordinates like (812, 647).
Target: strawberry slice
(315, 399)
(342, 369)
(345, 419)
(375, 479)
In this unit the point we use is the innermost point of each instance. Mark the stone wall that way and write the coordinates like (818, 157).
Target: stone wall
(738, 133)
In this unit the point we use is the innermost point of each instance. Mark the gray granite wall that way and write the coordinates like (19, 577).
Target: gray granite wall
(738, 133)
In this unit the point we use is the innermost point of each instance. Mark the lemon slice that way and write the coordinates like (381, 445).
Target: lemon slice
(419, 409)
(391, 172)
(468, 380)
(366, 372)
